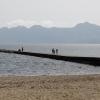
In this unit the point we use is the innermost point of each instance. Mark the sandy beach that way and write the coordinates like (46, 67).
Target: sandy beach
(85, 87)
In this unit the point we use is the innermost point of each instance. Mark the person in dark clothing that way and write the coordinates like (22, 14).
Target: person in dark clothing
(22, 49)
(56, 51)
(19, 50)
(53, 51)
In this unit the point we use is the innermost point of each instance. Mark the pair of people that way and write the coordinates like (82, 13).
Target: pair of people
(54, 51)
(21, 50)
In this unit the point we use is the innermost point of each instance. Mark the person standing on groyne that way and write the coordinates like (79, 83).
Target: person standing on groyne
(19, 50)
(56, 51)
(53, 51)
(22, 49)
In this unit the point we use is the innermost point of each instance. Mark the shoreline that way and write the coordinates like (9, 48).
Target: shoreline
(56, 75)
(70, 87)
(74, 75)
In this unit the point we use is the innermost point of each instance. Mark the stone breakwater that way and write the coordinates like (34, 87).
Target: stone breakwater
(84, 60)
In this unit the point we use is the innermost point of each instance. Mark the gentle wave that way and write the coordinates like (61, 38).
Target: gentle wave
(13, 64)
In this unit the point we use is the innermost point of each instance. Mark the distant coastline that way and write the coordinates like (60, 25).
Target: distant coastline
(85, 33)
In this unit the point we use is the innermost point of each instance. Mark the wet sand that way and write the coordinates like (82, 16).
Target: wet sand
(86, 87)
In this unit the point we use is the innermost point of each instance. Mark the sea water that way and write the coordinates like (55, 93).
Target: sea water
(13, 64)
(87, 50)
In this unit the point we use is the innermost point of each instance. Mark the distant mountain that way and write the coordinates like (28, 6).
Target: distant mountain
(81, 33)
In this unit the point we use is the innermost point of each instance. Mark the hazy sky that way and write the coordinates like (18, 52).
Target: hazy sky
(62, 13)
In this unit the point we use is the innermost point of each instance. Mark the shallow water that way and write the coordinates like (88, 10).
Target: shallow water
(13, 64)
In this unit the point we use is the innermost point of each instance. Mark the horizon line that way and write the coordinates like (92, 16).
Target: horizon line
(53, 26)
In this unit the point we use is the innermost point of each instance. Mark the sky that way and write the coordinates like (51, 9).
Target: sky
(48, 13)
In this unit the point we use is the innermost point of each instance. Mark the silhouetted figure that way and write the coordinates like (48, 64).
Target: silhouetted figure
(19, 50)
(56, 51)
(53, 51)
(22, 49)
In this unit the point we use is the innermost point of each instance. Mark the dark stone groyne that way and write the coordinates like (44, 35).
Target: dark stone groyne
(84, 60)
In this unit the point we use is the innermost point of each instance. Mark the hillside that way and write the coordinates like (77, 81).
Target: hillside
(81, 33)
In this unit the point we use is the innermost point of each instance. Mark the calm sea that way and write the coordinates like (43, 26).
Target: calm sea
(13, 64)
(92, 50)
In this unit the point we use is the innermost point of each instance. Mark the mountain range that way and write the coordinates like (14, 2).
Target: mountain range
(81, 33)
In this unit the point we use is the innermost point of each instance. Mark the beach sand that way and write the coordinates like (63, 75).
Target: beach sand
(86, 87)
